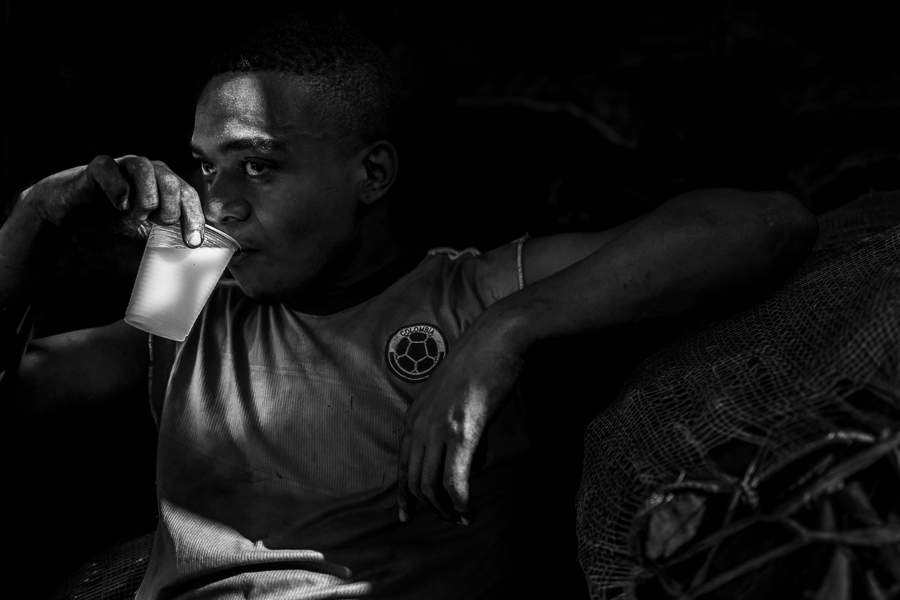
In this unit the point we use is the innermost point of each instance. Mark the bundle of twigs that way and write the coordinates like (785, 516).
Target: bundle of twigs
(822, 526)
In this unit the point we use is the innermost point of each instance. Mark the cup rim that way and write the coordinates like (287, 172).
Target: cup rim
(175, 229)
(224, 235)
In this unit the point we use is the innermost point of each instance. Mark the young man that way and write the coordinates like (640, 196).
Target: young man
(340, 425)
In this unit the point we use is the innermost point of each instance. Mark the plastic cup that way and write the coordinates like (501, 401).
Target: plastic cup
(174, 281)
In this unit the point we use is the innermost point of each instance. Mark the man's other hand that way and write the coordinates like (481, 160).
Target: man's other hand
(445, 423)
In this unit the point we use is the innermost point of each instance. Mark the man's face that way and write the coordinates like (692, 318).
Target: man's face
(278, 182)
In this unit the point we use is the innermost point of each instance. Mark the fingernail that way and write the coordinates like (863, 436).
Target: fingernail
(464, 520)
(194, 239)
(123, 205)
(403, 516)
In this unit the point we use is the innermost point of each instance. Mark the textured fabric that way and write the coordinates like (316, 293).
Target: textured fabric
(278, 443)
(732, 412)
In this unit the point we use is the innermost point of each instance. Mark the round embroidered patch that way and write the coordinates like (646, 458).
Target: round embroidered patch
(415, 350)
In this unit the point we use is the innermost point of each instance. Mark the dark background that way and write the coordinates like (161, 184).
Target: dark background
(543, 120)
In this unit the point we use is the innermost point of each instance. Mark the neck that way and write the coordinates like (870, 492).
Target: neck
(372, 265)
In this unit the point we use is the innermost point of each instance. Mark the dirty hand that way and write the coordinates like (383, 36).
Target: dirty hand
(445, 422)
(135, 186)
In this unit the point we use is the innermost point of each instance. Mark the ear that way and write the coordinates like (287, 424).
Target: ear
(379, 160)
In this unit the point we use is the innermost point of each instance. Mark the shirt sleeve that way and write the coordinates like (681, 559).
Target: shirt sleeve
(499, 272)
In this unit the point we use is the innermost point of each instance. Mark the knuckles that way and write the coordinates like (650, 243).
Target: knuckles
(102, 162)
(169, 218)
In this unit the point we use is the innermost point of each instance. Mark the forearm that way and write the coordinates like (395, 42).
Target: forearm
(692, 250)
(67, 369)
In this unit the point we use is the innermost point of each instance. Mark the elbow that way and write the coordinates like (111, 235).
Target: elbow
(791, 226)
(797, 220)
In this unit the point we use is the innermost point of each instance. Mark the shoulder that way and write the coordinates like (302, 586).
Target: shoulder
(491, 274)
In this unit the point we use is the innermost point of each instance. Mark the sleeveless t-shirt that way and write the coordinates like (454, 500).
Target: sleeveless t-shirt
(278, 441)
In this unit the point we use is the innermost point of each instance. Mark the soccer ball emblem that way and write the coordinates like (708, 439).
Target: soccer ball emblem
(415, 350)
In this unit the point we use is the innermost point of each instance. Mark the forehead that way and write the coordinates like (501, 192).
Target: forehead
(258, 105)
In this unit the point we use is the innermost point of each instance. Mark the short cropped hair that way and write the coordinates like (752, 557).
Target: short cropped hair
(350, 78)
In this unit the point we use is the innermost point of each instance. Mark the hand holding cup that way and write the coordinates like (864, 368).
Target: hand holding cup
(136, 186)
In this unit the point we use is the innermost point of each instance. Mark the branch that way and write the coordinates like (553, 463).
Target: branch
(592, 120)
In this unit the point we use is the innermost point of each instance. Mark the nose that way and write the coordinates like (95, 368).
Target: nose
(224, 204)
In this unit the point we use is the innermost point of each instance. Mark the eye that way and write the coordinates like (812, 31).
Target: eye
(256, 169)
(207, 167)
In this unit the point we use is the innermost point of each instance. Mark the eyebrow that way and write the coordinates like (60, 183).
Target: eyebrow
(256, 143)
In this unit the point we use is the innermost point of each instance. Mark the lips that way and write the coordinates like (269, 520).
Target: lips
(239, 257)
(246, 248)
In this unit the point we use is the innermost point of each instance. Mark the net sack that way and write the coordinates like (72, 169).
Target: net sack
(114, 574)
(759, 455)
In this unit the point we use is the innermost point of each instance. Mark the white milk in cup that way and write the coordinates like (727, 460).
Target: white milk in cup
(175, 281)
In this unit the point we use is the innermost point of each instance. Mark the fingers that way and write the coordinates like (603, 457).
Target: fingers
(431, 486)
(144, 196)
(132, 184)
(414, 485)
(457, 470)
(178, 201)
(441, 435)
(104, 171)
(158, 194)
(192, 219)
(421, 476)
(168, 186)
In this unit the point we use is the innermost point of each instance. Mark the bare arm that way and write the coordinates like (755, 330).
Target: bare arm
(82, 368)
(695, 248)
(94, 364)
(692, 250)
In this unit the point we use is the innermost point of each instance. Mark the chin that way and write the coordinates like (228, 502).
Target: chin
(259, 294)
(261, 297)
(268, 294)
